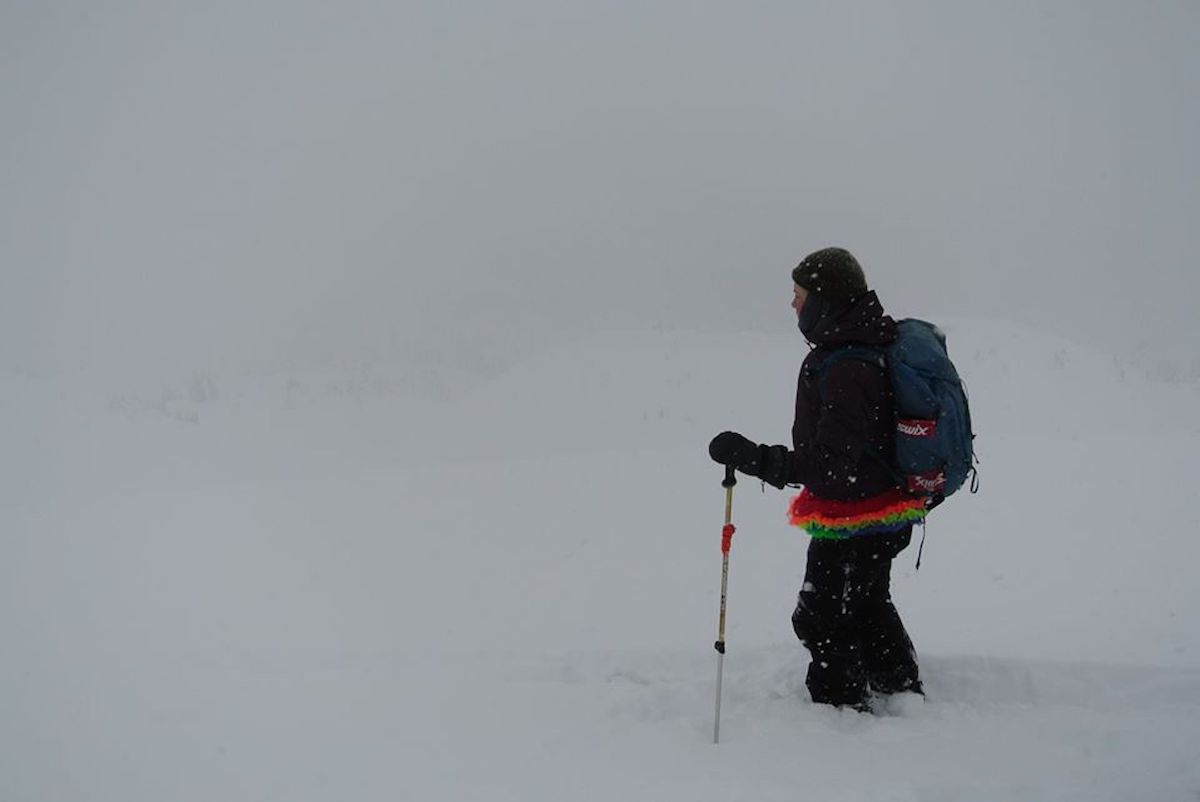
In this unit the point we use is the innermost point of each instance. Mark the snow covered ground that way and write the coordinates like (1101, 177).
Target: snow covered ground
(377, 583)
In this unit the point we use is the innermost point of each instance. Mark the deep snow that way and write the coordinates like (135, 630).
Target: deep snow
(369, 582)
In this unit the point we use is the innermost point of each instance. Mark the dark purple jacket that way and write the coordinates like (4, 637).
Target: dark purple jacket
(845, 409)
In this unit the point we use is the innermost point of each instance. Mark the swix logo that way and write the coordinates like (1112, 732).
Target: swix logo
(931, 482)
(914, 427)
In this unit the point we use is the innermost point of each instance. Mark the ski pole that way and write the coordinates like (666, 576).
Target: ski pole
(726, 544)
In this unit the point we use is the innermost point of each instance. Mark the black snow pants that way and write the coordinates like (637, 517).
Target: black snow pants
(845, 618)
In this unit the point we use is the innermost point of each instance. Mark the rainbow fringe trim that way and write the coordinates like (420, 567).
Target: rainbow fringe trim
(838, 520)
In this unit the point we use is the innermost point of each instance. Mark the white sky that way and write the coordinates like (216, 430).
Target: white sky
(186, 181)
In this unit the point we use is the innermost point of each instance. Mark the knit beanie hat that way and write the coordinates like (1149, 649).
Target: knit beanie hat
(831, 273)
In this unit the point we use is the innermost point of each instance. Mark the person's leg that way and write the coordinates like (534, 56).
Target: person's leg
(824, 622)
(888, 656)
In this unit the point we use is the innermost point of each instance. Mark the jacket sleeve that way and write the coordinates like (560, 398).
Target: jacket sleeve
(842, 431)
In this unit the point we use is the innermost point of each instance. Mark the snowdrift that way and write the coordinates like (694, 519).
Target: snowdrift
(369, 581)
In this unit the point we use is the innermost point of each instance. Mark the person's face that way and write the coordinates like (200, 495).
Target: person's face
(801, 295)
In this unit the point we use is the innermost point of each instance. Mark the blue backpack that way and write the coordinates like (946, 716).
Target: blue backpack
(934, 442)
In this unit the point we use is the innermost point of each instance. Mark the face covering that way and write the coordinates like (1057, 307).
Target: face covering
(815, 310)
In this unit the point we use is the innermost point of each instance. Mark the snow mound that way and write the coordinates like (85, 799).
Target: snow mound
(511, 592)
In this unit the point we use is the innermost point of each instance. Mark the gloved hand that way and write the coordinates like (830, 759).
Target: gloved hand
(768, 463)
(731, 448)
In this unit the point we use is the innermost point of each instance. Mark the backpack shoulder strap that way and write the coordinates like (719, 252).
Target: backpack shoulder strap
(872, 356)
(860, 353)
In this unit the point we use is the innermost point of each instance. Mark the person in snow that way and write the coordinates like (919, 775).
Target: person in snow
(842, 447)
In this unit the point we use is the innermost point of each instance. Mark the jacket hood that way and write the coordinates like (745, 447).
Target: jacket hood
(863, 321)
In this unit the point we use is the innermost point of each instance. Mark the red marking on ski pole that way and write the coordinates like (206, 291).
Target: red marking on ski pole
(727, 537)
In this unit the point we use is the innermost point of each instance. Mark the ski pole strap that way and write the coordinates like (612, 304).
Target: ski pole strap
(727, 537)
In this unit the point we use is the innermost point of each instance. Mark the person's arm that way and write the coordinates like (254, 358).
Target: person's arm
(842, 427)
(833, 456)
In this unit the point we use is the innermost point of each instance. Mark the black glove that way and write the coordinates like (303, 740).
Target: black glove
(730, 448)
(769, 463)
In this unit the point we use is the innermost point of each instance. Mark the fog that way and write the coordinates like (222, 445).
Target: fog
(187, 185)
(357, 363)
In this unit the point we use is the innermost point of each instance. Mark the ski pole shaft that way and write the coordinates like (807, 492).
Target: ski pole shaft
(726, 544)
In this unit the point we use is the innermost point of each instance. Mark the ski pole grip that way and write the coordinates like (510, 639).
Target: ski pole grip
(730, 480)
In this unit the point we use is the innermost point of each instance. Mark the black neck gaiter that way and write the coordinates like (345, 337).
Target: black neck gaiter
(815, 312)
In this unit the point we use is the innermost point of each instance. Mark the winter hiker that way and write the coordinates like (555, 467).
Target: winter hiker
(842, 444)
